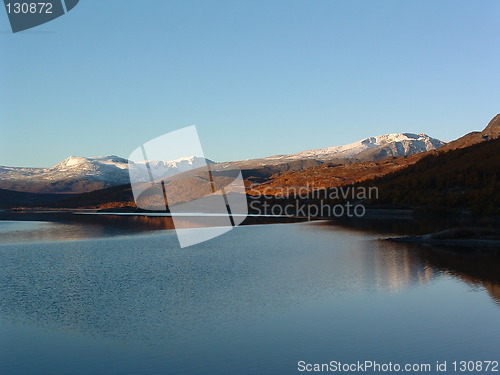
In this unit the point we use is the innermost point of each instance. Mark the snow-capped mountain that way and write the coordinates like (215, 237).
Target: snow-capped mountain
(368, 149)
(164, 169)
(79, 162)
(373, 148)
(178, 165)
(82, 174)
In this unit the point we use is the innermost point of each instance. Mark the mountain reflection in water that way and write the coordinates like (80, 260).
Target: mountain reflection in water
(253, 301)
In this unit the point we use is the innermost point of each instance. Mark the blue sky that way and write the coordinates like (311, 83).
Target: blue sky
(257, 77)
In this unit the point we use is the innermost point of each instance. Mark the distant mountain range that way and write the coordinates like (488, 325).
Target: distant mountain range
(84, 174)
(104, 181)
(333, 173)
(80, 174)
(372, 149)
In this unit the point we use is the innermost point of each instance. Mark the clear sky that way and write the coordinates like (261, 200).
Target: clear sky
(258, 77)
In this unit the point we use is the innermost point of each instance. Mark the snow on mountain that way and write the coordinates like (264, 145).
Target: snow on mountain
(398, 144)
(96, 168)
(81, 174)
(83, 163)
(165, 169)
(179, 165)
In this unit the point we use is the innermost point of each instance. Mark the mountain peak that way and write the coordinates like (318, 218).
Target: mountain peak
(72, 161)
(79, 161)
(386, 145)
(493, 128)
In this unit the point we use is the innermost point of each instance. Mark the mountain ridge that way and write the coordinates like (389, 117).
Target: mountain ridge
(491, 131)
(402, 146)
(77, 174)
(332, 173)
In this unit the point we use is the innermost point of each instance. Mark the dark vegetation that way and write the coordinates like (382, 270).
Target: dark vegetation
(15, 199)
(459, 179)
(113, 197)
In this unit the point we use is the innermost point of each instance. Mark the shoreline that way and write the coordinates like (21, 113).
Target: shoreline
(456, 237)
(451, 242)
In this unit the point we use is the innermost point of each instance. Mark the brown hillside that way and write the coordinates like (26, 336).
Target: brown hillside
(491, 131)
(331, 175)
(464, 178)
(336, 174)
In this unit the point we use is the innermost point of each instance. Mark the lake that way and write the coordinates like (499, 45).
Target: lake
(121, 297)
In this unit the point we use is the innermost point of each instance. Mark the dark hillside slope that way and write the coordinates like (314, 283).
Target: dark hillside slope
(19, 199)
(464, 178)
(112, 197)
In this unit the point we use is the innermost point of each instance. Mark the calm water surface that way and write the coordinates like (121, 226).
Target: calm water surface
(254, 301)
